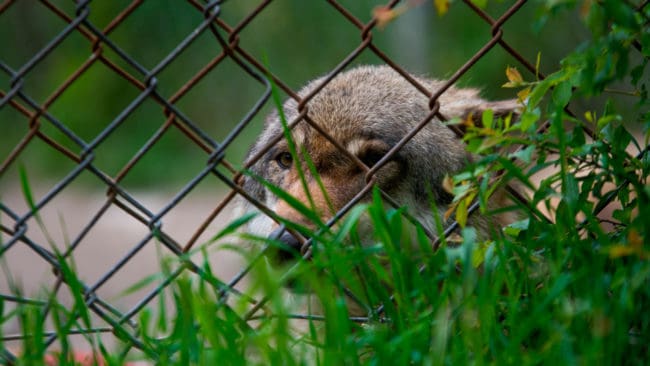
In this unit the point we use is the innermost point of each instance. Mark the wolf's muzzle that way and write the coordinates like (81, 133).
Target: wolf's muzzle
(290, 245)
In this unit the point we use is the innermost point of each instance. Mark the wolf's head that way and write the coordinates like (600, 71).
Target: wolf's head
(365, 112)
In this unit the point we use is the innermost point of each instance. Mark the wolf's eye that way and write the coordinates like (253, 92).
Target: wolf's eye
(370, 157)
(284, 160)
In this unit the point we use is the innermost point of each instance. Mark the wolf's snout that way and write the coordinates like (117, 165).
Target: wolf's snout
(290, 244)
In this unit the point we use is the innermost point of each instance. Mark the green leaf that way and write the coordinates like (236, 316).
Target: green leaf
(27, 190)
(488, 118)
(479, 254)
(480, 3)
(562, 93)
(529, 119)
(571, 191)
(233, 226)
(461, 213)
(516, 227)
(637, 72)
(538, 92)
(516, 172)
(525, 154)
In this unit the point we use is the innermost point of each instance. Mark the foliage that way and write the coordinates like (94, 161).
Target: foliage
(288, 33)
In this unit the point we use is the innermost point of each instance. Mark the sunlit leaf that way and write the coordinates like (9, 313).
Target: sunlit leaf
(442, 6)
(461, 213)
(479, 253)
(514, 78)
(462, 210)
(487, 119)
(621, 250)
(450, 210)
(480, 3)
(448, 184)
(468, 122)
(523, 94)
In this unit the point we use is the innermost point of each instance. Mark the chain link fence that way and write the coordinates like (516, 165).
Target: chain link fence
(153, 229)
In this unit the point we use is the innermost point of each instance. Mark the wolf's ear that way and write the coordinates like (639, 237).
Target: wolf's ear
(500, 108)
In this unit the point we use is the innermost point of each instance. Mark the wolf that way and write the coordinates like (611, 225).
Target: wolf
(367, 110)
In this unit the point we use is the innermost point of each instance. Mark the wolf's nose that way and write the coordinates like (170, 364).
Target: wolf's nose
(290, 244)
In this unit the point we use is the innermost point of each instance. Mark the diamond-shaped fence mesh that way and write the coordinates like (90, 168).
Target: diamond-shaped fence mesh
(84, 107)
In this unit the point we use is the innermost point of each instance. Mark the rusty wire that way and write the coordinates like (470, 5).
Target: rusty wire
(145, 80)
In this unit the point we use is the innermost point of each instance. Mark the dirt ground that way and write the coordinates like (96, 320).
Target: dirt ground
(108, 242)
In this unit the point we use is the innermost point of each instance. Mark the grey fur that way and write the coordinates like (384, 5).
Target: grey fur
(376, 103)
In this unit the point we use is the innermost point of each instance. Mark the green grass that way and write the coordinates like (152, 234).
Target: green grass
(538, 292)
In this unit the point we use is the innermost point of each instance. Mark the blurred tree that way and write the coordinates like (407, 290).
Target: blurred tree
(299, 39)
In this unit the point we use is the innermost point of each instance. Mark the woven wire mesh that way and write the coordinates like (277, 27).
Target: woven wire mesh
(155, 232)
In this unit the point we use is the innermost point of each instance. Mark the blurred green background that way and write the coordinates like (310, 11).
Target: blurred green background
(298, 39)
